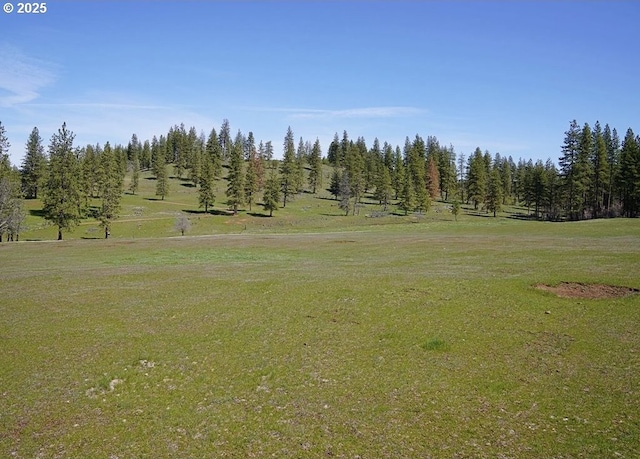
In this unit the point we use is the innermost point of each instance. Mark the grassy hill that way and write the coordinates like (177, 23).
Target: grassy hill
(146, 215)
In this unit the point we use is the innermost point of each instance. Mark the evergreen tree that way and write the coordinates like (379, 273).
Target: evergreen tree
(251, 185)
(494, 192)
(333, 154)
(408, 197)
(63, 198)
(538, 184)
(334, 186)
(354, 170)
(568, 170)
(345, 193)
(195, 146)
(383, 186)
(214, 153)
(554, 195)
(583, 171)
(299, 166)
(600, 172)
(135, 173)
(268, 152)
(4, 147)
(288, 167)
(90, 178)
(271, 193)
(224, 139)
(455, 209)
(315, 163)
(447, 171)
(462, 182)
(110, 188)
(206, 195)
(629, 175)
(433, 178)
(162, 177)
(399, 173)
(12, 212)
(145, 156)
(612, 141)
(477, 178)
(34, 165)
(235, 177)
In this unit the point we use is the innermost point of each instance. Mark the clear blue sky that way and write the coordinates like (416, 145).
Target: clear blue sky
(505, 76)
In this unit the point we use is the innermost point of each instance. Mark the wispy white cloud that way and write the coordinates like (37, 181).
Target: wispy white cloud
(22, 77)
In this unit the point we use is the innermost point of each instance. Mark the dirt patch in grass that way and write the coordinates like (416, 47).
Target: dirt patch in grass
(590, 291)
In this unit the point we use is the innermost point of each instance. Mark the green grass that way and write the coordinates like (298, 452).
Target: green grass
(323, 336)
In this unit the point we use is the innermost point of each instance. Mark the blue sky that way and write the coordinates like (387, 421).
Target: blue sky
(507, 77)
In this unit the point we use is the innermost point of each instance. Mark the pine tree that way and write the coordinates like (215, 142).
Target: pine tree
(315, 163)
(33, 166)
(162, 177)
(235, 177)
(135, 173)
(600, 171)
(206, 195)
(301, 156)
(583, 171)
(63, 198)
(383, 186)
(214, 153)
(333, 154)
(271, 193)
(455, 209)
(224, 140)
(494, 192)
(251, 177)
(612, 141)
(345, 193)
(629, 175)
(195, 145)
(110, 189)
(334, 186)
(12, 212)
(399, 173)
(4, 146)
(408, 198)
(145, 156)
(477, 179)
(568, 173)
(433, 178)
(288, 167)
(539, 185)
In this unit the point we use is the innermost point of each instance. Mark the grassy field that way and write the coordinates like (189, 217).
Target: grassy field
(317, 335)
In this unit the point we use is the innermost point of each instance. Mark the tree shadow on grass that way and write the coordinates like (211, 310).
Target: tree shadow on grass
(227, 213)
(150, 178)
(255, 214)
(37, 213)
(188, 185)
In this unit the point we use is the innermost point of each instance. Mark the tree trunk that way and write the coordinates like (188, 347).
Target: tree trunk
(106, 232)
(59, 234)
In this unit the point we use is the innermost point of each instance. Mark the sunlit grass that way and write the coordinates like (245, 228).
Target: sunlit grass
(347, 337)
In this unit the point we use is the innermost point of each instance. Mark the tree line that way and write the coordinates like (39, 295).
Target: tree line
(597, 175)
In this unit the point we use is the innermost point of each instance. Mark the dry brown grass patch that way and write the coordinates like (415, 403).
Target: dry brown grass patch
(588, 291)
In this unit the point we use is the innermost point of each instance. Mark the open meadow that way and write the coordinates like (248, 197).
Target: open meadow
(312, 334)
